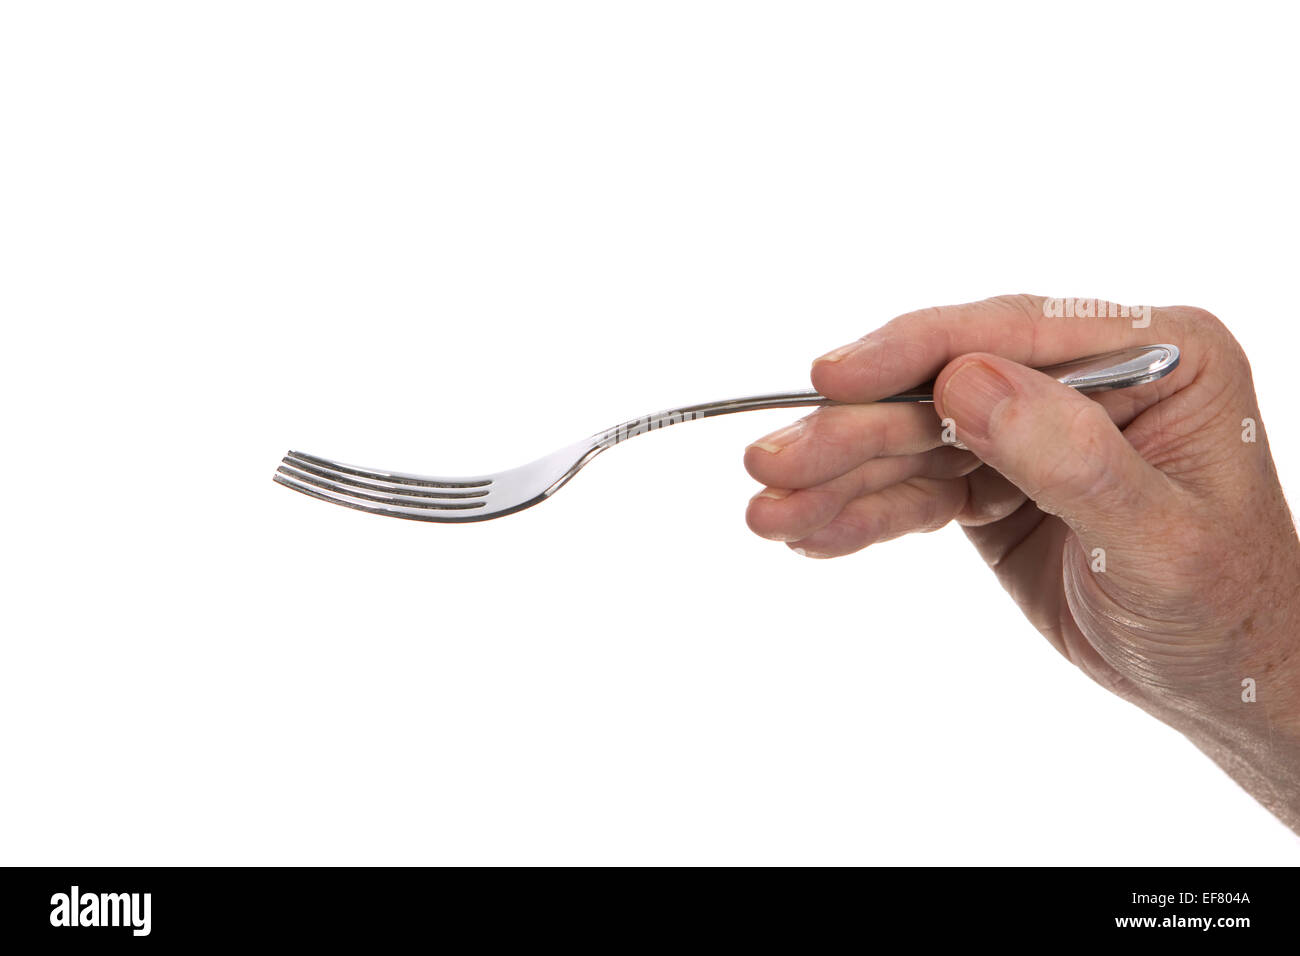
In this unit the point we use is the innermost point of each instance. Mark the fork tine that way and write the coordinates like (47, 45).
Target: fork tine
(395, 508)
(390, 477)
(303, 469)
(382, 497)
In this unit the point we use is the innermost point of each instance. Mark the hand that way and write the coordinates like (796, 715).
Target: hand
(1142, 531)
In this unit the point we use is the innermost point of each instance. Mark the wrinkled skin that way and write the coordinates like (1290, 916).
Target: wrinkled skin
(1201, 579)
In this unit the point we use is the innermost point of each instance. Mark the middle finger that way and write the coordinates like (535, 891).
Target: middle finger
(832, 441)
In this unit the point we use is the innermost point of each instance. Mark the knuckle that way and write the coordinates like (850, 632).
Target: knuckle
(978, 512)
(866, 527)
(1030, 306)
(919, 318)
(1219, 347)
(1195, 315)
(834, 436)
(1200, 323)
(1082, 470)
(947, 462)
(822, 443)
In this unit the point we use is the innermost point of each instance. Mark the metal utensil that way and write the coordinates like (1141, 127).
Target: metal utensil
(480, 497)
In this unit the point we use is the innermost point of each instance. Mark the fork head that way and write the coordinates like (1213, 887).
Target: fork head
(427, 498)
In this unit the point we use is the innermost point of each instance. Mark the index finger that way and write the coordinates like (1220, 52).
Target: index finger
(1031, 330)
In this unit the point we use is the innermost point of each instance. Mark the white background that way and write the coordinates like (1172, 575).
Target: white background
(448, 238)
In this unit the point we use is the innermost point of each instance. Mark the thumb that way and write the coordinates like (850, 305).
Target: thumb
(1057, 445)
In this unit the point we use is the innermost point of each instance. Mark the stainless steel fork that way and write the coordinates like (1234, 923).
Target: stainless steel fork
(480, 497)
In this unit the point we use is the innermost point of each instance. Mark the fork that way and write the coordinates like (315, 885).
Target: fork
(396, 494)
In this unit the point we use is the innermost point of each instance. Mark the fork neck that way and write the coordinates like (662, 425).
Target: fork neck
(801, 398)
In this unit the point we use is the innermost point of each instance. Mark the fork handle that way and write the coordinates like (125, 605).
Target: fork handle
(1097, 373)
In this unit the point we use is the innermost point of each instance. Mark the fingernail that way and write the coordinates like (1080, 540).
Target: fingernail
(775, 493)
(805, 553)
(774, 442)
(972, 395)
(842, 352)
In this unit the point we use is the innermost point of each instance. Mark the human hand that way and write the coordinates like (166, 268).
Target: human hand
(1143, 531)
